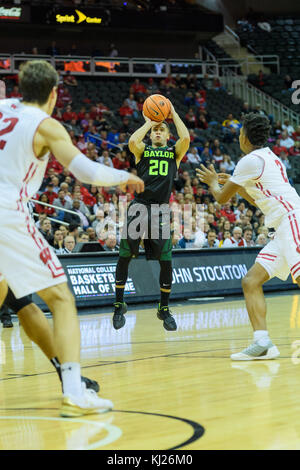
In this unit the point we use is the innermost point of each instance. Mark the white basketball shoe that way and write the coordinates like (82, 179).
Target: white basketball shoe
(257, 352)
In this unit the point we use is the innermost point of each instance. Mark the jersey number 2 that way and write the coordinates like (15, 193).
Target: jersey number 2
(12, 122)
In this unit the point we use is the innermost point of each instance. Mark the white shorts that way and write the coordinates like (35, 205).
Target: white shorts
(282, 254)
(27, 262)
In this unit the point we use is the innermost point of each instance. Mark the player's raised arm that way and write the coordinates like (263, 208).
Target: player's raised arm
(183, 142)
(210, 177)
(53, 136)
(135, 143)
(224, 177)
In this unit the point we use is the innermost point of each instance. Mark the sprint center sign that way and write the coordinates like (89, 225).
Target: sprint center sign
(78, 17)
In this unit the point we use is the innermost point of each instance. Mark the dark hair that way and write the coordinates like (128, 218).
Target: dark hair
(36, 80)
(73, 227)
(256, 128)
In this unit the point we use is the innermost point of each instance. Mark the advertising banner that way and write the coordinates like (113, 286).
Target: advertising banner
(15, 14)
(196, 273)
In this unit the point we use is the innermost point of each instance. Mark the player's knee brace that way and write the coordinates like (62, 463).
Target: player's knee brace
(165, 278)
(122, 270)
(17, 304)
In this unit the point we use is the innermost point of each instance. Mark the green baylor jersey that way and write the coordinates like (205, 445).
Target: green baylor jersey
(157, 168)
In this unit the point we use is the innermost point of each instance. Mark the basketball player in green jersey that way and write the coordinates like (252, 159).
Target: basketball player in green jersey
(157, 166)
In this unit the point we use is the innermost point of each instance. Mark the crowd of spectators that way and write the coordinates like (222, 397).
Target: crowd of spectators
(95, 211)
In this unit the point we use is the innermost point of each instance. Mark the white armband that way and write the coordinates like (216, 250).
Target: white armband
(95, 173)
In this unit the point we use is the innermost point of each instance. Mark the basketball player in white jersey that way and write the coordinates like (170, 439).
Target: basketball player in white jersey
(27, 263)
(261, 178)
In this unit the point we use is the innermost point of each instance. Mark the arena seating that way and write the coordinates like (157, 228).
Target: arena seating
(284, 41)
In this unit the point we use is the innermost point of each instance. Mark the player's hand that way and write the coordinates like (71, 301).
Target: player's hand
(149, 120)
(172, 111)
(2, 90)
(207, 175)
(223, 178)
(134, 184)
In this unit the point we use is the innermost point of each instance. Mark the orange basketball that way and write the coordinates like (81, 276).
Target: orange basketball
(156, 108)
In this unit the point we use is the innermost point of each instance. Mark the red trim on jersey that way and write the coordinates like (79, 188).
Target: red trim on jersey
(280, 199)
(295, 266)
(35, 135)
(26, 180)
(56, 271)
(294, 236)
(294, 273)
(268, 254)
(266, 257)
(262, 169)
(297, 227)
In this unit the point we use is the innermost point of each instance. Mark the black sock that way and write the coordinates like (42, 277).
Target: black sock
(165, 281)
(164, 298)
(55, 362)
(121, 277)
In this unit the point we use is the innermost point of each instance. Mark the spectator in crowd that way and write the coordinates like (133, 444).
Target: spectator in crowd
(226, 235)
(286, 140)
(211, 241)
(62, 202)
(68, 115)
(64, 230)
(39, 208)
(187, 241)
(111, 242)
(46, 230)
(69, 244)
(70, 80)
(248, 236)
(15, 93)
(50, 193)
(191, 119)
(277, 148)
(286, 126)
(83, 212)
(261, 240)
(58, 242)
(228, 212)
(231, 122)
(125, 110)
(92, 234)
(194, 157)
(236, 239)
(137, 88)
(227, 165)
(83, 238)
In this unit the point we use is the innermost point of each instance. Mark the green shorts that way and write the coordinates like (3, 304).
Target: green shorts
(150, 223)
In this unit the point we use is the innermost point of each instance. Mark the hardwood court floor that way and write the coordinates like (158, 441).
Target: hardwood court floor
(170, 389)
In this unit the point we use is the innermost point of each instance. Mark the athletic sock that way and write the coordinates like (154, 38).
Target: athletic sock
(165, 282)
(164, 298)
(261, 337)
(119, 294)
(71, 379)
(55, 362)
(121, 277)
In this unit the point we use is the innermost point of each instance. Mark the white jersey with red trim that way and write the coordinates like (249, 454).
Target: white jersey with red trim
(21, 172)
(264, 178)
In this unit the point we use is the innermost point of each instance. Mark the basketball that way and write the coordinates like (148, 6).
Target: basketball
(156, 108)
